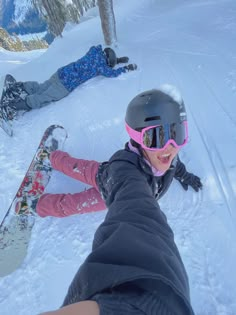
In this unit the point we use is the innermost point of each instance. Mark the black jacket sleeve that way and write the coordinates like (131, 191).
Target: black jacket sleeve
(135, 243)
(180, 169)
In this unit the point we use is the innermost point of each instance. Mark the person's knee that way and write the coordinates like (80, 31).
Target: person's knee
(49, 205)
(41, 207)
(56, 205)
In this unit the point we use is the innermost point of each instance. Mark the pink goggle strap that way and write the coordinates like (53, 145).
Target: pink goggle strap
(135, 135)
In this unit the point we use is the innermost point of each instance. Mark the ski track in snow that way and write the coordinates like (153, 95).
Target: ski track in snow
(179, 65)
(215, 155)
(220, 173)
(217, 160)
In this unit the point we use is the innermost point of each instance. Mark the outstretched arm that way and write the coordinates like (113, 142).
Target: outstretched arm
(109, 72)
(112, 73)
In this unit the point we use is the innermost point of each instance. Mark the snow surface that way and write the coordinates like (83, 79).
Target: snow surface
(187, 43)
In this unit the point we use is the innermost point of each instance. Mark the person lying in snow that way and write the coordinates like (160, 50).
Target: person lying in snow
(154, 150)
(24, 96)
(134, 266)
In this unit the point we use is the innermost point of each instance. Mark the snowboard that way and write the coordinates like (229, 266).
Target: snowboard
(5, 114)
(16, 226)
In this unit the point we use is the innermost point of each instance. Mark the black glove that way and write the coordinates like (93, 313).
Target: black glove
(122, 60)
(131, 67)
(189, 179)
(185, 178)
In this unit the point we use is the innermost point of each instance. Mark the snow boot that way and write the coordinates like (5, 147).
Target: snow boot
(15, 92)
(15, 96)
(9, 81)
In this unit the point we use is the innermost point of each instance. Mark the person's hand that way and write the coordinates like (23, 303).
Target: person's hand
(189, 179)
(131, 67)
(122, 59)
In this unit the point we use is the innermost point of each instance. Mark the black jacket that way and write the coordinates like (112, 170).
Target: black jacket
(158, 184)
(134, 244)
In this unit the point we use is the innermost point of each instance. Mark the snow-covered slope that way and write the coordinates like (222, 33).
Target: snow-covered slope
(186, 43)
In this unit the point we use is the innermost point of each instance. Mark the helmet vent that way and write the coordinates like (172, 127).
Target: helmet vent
(152, 118)
(145, 95)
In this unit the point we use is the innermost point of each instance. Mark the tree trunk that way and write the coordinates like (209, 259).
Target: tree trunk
(108, 21)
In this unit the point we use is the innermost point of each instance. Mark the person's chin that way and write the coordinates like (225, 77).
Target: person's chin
(163, 167)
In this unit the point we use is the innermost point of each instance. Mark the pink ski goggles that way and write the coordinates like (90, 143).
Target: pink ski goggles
(158, 137)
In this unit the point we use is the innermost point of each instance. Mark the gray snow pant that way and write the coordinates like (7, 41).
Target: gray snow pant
(41, 94)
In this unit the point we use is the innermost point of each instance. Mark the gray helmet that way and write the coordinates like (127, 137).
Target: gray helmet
(110, 57)
(154, 107)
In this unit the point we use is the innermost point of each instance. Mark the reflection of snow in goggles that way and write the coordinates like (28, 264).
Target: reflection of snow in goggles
(159, 137)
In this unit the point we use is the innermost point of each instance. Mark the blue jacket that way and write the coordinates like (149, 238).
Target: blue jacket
(134, 244)
(87, 67)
